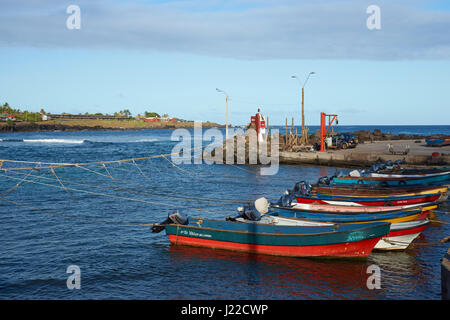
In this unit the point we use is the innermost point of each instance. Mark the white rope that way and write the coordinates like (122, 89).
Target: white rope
(109, 195)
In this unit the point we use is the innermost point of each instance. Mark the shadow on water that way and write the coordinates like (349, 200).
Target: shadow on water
(264, 276)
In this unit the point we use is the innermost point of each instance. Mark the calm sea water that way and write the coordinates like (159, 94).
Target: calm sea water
(92, 222)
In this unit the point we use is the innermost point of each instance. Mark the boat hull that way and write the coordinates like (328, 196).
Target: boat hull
(395, 217)
(328, 208)
(435, 179)
(437, 142)
(358, 190)
(399, 238)
(400, 176)
(348, 249)
(367, 201)
(314, 241)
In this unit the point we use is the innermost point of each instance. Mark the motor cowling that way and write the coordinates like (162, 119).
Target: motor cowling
(252, 215)
(246, 212)
(324, 181)
(301, 187)
(285, 200)
(175, 218)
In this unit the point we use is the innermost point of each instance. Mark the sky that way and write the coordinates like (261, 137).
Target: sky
(170, 56)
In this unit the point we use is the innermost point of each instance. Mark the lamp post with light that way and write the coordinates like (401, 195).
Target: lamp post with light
(226, 99)
(304, 137)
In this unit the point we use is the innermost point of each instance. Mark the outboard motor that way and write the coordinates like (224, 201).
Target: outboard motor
(389, 165)
(174, 218)
(364, 173)
(296, 188)
(285, 200)
(252, 215)
(324, 180)
(247, 213)
(301, 187)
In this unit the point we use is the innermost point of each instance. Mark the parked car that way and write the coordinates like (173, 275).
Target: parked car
(345, 140)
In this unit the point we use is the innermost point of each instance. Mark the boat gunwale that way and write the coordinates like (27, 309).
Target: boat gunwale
(422, 206)
(332, 213)
(370, 225)
(366, 198)
(387, 178)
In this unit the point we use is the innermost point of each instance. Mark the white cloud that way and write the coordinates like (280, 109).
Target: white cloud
(242, 30)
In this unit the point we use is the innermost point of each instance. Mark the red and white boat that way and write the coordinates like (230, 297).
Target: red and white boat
(401, 235)
(327, 208)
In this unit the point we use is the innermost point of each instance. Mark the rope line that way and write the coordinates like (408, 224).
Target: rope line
(16, 185)
(75, 217)
(165, 194)
(112, 196)
(57, 165)
(62, 184)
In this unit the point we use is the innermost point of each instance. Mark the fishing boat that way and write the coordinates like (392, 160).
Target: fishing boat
(438, 141)
(400, 236)
(364, 196)
(391, 216)
(367, 190)
(408, 174)
(369, 201)
(330, 240)
(327, 208)
(393, 181)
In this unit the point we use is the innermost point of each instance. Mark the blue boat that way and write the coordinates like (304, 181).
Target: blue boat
(399, 216)
(435, 179)
(438, 142)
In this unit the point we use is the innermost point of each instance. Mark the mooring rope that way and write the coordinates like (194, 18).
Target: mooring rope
(49, 165)
(166, 194)
(76, 217)
(112, 196)
(62, 184)
(16, 185)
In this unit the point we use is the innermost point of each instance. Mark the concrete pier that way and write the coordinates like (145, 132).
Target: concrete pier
(412, 152)
(445, 276)
(366, 154)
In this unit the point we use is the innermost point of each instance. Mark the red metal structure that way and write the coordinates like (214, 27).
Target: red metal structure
(324, 129)
(259, 122)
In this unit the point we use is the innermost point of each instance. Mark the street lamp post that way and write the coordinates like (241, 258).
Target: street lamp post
(304, 137)
(226, 99)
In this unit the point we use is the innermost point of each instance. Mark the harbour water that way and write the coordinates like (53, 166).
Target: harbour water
(90, 218)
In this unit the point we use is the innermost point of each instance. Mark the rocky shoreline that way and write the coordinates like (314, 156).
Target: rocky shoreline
(95, 126)
(375, 135)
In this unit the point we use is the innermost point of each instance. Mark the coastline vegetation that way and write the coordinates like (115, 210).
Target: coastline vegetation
(12, 119)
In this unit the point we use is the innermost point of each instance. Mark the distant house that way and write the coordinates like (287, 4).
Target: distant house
(151, 119)
(100, 116)
(163, 119)
(45, 117)
(5, 117)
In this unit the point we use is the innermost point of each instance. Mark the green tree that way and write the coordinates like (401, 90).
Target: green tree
(125, 113)
(152, 114)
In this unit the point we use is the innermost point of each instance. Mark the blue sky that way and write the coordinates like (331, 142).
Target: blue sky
(170, 56)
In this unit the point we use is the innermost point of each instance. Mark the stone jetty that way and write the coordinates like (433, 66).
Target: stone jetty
(372, 147)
